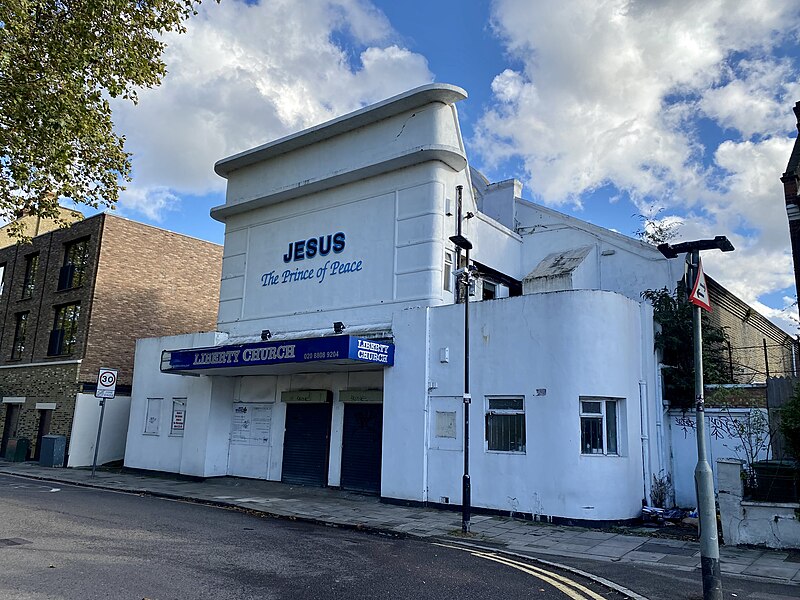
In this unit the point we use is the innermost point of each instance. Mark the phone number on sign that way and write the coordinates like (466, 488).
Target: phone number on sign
(313, 355)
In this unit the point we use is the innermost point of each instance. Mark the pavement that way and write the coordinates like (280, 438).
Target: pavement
(338, 508)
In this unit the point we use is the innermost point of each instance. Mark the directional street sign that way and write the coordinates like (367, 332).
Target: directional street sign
(106, 383)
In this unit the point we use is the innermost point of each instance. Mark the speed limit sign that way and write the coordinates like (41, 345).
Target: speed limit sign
(106, 383)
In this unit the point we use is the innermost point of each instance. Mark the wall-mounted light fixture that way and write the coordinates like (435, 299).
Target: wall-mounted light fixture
(265, 334)
(338, 327)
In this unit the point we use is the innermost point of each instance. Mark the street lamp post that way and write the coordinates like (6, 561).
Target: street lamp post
(703, 475)
(466, 488)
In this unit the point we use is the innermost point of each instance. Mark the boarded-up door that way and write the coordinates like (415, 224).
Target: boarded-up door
(305, 444)
(361, 447)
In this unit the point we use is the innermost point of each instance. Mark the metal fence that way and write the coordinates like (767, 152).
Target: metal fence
(772, 481)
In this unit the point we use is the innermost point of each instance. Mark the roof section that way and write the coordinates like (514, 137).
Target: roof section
(421, 96)
(559, 263)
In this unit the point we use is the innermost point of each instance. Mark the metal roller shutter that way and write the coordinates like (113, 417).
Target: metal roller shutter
(306, 443)
(361, 447)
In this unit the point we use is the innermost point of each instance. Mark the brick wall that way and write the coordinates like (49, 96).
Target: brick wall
(42, 383)
(150, 282)
(747, 331)
(46, 295)
(33, 226)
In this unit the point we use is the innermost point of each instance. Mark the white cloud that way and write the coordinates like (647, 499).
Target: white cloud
(152, 202)
(614, 92)
(243, 75)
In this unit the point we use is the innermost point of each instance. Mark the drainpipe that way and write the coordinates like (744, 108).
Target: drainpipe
(644, 424)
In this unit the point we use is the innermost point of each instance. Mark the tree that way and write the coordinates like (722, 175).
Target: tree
(60, 62)
(656, 231)
(673, 313)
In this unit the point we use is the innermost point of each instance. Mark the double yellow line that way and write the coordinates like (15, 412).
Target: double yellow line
(566, 586)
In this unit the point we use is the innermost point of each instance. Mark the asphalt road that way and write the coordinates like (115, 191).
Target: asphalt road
(658, 582)
(63, 542)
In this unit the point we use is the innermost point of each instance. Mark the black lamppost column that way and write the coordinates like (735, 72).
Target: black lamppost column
(466, 487)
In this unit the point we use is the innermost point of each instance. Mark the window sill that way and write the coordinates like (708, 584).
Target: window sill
(152, 434)
(513, 452)
(603, 455)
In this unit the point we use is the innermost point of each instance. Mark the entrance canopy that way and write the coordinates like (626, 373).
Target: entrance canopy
(330, 353)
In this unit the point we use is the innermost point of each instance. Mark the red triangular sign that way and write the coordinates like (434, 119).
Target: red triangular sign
(699, 295)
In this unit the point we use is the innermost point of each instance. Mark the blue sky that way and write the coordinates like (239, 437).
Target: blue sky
(604, 109)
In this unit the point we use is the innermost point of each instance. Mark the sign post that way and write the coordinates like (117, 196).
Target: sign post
(703, 475)
(106, 388)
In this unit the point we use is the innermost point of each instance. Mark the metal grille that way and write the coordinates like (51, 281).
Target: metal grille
(772, 481)
(505, 425)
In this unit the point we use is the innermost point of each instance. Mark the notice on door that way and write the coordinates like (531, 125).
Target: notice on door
(251, 424)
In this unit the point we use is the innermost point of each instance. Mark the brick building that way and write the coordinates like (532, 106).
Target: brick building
(791, 192)
(75, 299)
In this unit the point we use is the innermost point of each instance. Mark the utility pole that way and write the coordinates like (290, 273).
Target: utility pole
(703, 475)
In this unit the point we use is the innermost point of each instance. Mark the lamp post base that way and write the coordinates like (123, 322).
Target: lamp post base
(466, 493)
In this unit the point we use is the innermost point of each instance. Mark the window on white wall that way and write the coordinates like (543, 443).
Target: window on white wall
(152, 418)
(178, 417)
(447, 272)
(505, 424)
(599, 429)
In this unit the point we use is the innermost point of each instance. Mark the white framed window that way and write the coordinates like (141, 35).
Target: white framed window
(152, 417)
(599, 425)
(505, 424)
(447, 273)
(178, 423)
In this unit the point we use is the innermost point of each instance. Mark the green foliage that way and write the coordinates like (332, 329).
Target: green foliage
(60, 61)
(656, 231)
(790, 424)
(673, 313)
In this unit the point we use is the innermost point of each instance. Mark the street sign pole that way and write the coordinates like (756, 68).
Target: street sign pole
(703, 476)
(99, 429)
(106, 388)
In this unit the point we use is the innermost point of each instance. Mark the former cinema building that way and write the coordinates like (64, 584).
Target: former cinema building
(339, 353)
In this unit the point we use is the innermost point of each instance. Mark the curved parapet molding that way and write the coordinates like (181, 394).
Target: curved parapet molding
(418, 97)
(452, 157)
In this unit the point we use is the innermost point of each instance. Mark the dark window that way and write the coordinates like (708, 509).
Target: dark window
(448, 271)
(2, 277)
(598, 426)
(505, 424)
(31, 267)
(19, 336)
(65, 330)
(76, 256)
(489, 290)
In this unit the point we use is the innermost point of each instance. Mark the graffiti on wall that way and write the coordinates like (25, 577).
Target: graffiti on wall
(718, 427)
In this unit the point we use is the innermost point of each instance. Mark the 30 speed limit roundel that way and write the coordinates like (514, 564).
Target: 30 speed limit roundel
(106, 383)
(108, 378)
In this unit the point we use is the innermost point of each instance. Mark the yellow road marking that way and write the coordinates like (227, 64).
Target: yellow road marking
(561, 583)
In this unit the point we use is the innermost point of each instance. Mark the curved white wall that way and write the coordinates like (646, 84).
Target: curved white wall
(550, 348)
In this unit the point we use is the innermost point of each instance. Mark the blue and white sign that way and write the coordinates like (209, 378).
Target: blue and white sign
(338, 348)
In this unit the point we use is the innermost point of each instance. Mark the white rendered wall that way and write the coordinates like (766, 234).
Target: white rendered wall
(551, 349)
(163, 452)
(395, 225)
(617, 263)
(723, 442)
(84, 430)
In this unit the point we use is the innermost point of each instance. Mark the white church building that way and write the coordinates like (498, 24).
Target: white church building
(338, 358)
